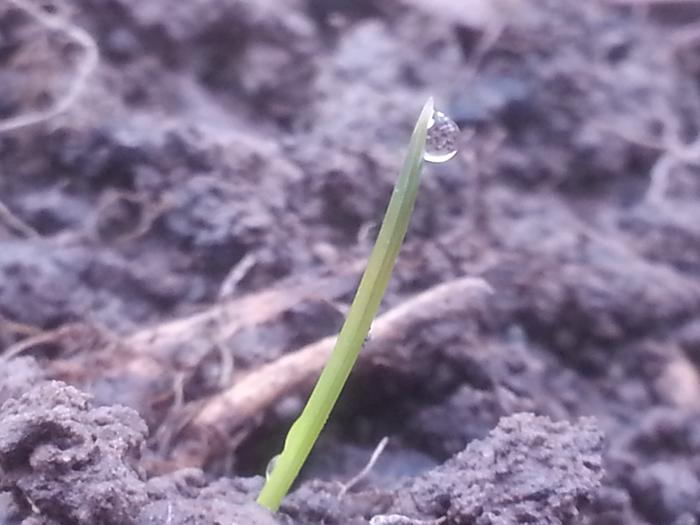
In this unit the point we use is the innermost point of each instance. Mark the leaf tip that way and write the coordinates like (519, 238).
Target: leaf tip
(429, 106)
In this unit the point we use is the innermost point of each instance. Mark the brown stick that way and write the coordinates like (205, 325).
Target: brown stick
(223, 320)
(226, 412)
(146, 357)
(63, 334)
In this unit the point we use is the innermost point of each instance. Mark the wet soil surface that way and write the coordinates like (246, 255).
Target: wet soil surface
(199, 211)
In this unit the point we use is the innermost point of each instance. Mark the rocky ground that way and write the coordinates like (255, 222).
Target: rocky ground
(188, 192)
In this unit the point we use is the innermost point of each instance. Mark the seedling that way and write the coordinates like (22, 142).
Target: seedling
(436, 147)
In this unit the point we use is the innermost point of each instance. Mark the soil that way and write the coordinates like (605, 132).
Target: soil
(201, 211)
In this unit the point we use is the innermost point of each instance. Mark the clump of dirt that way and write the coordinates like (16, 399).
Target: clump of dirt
(527, 470)
(64, 461)
(70, 462)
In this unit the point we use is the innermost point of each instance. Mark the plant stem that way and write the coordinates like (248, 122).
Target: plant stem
(305, 430)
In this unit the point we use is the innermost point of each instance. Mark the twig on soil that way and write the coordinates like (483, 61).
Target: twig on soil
(344, 488)
(51, 336)
(236, 275)
(15, 223)
(181, 413)
(18, 328)
(148, 354)
(67, 340)
(226, 366)
(226, 412)
(223, 320)
(178, 414)
(87, 66)
(179, 391)
(30, 342)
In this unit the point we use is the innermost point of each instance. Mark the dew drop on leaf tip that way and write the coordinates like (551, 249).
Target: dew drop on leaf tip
(441, 142)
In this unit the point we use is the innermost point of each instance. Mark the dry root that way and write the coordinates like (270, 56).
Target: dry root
(226, 414)
(80, 335)
(87, 66)
(367, 468)
(14, 223)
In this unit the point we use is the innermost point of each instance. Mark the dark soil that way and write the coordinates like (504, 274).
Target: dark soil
(222, 151)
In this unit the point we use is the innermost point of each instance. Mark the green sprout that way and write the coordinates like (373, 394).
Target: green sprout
(305, 430)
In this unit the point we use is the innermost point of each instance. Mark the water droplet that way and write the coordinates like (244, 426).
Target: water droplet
(441, 142)
(271, 466)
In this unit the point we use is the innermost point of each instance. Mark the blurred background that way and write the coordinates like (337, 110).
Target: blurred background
(164, 160)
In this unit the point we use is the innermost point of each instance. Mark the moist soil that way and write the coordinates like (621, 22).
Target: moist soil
(200, 209)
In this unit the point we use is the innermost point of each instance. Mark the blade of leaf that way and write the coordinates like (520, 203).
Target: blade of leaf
(305, 430)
